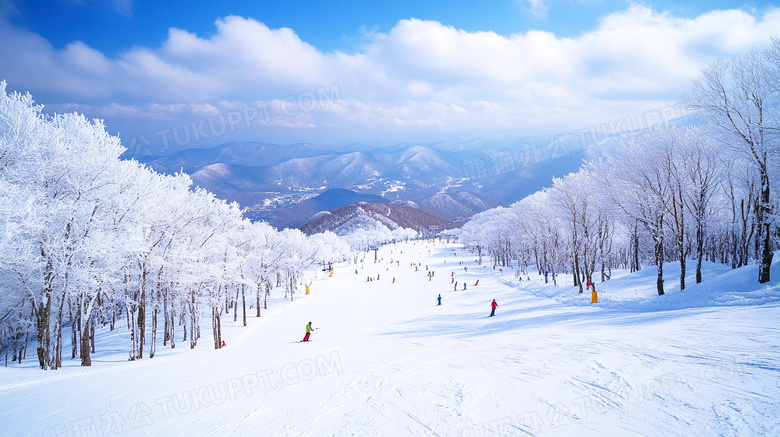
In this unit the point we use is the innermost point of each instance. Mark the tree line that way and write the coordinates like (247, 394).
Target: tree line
(669, 193)
(91, 240)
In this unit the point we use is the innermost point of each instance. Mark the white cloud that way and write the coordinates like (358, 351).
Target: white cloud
(124, 7)
(536, 7)
(421, 74)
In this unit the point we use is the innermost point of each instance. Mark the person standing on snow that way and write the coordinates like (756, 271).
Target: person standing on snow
(493, 307)
(439, 299)
(308, 332)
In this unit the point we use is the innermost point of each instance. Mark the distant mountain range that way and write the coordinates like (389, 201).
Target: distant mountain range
(445, 183)
(344, 220)
(297, 214)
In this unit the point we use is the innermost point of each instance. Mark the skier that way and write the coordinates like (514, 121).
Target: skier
(493, 307)
(439, 299)
(308, 332)
(464, 286)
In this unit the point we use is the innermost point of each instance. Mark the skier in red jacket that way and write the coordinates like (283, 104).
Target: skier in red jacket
(493, 307)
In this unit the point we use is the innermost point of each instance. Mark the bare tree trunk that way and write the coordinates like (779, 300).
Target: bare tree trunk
(635, 242)
(683, 266)
(235, 306)
(43, 314)
(576, 271)
(764, 230)
(58, 336)
(679, 228)
(154, 332)
(172, 327)
(699, 245)
(86, 360)
(214, 332)
(659, 261)
(131, 327)
(44, 332)
(682, 253)
(142, 312)
(267, 292)
(193, 322)
(75, 322)
(243, 300)
(164, 292)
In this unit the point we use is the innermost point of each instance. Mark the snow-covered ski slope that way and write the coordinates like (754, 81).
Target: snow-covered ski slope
(385, 360)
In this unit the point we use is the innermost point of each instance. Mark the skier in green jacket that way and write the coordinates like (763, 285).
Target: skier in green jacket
(308, 332)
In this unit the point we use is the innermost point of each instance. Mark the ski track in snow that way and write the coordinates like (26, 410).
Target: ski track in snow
(385, 360)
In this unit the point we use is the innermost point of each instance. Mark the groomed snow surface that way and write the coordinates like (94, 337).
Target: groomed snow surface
(385, 360)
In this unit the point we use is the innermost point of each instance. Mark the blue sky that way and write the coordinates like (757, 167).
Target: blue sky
(333, 25)
(343, 71)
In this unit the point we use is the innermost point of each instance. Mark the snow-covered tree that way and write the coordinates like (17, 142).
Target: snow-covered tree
(738, 99)
(87, 237)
